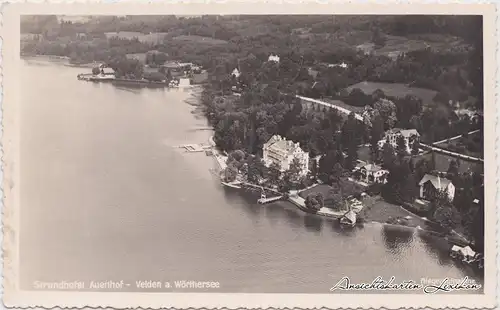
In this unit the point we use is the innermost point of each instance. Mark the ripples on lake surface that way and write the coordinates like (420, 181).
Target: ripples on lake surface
(109, 197)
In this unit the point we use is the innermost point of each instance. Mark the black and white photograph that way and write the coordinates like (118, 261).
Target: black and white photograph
(249, 153)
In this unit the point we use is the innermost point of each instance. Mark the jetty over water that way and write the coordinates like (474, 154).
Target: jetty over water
(269, 200)
(192, 148)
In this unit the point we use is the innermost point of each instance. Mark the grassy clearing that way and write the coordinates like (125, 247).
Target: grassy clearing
(378, 210)
(349, 188)
(397, 44)
(321, 188)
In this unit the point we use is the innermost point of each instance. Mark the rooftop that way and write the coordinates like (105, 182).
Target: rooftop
(372, 167)
(281, 143)
(437, 182)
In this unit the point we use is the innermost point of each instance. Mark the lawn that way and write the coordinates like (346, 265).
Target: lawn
(398, 44)
(348, 187)
(395, 90)
(378, 210)
(321, 188)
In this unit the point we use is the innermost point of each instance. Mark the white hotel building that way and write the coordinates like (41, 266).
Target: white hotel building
(392, 136)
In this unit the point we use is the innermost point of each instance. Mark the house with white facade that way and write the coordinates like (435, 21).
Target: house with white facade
(280, 151)
(371, 173)
(392, 137)
(430, 184)
(274, 58)
(105, 70)
(236, 73)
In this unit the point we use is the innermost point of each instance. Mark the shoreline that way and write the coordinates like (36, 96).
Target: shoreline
(219, 158)
(383, 219)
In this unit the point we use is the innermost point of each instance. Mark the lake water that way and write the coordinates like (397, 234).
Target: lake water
(105, 195)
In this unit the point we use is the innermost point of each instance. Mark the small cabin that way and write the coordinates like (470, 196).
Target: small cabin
(349, 219)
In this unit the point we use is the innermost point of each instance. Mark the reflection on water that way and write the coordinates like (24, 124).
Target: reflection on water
(397, 238)
(313, 223)
(436, 247)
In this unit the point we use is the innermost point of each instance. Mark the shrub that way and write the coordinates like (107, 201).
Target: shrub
(314, 201)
